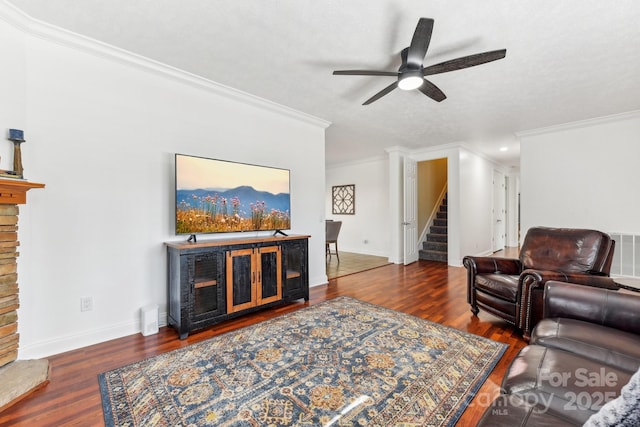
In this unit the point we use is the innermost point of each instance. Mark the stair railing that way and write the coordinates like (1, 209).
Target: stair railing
(434, 213)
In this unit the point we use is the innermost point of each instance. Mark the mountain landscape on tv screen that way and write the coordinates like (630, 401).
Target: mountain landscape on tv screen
(239, 209)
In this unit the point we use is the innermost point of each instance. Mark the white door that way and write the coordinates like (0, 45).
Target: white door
(410, 222)
(499, 211)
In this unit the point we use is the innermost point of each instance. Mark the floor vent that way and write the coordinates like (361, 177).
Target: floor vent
(626, 256)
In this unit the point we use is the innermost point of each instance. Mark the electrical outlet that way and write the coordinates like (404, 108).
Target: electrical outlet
(86, 303)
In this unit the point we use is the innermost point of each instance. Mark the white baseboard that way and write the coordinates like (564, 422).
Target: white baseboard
(365, 251)
(64, 343)
(319, 280)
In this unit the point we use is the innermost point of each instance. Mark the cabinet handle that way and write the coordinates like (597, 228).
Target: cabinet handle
(253, 277)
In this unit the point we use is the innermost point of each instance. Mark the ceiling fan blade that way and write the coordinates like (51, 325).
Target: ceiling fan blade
(403, 56)
(382, 93)
(420, 42)
(365, 73)
(432, 91)
(465, 62)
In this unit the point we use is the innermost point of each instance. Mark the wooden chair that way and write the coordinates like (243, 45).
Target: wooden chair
(332, 231)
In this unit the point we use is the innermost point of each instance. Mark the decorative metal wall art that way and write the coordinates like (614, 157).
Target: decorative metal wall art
(344, 199)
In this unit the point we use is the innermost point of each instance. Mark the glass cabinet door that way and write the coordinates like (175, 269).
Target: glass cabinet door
(241, 280)
(269, 274)
(295, 275)
(204, 273)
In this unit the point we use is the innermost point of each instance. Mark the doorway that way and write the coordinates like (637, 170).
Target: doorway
(433, 210)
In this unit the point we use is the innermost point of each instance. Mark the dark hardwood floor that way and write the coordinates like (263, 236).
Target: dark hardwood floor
(426, 289)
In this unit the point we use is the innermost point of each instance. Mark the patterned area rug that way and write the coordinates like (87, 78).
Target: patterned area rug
(343, 362)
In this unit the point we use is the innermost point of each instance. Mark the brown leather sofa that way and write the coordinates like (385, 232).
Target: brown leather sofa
(581, 355)
(512, 289)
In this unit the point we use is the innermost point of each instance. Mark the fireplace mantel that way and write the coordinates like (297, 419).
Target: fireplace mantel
(17, 378)
(14, 191)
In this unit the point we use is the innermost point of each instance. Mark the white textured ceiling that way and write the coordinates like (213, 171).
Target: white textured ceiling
(566, 60)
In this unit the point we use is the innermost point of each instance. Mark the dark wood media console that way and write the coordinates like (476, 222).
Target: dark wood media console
(211, 281)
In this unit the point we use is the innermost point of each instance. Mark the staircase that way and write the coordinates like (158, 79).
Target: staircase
(434, 248)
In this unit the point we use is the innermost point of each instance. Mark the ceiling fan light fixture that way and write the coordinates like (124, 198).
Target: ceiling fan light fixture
(412, 72)
(411, 79)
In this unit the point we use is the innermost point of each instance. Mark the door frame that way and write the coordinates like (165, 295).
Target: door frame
(410, 211)
(499, 211)
(396, 156)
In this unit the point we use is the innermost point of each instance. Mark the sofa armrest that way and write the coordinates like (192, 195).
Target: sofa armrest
(494, 265)
(486, 265)
(538, 278)
(595, 305)
(532, 284)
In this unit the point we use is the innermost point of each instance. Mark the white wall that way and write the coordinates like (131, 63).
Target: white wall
(12, 88)
(102, 127)
(371, 220)
(582, 175)
(476, 204)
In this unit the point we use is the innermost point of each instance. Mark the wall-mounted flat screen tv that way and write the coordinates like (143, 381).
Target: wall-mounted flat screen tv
(219, 196)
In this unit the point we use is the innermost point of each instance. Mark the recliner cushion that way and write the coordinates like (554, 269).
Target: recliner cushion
(509, 410)
(563, 382)
(599, 343)
(565, 249)
(500, 285)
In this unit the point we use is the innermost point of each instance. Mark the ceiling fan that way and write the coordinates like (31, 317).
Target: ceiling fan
(411, 72)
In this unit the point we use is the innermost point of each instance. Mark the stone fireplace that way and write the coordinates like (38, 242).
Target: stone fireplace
(17, 378)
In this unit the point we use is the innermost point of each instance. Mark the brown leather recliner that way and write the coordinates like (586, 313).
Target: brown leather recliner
(582, 356)
(513, 289)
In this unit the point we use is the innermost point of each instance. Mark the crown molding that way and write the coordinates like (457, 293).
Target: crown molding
(14, 16)
(580, 124)
(496, 164)
(454, 149)
(443, 149)
(36, 28)
(372, 159)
